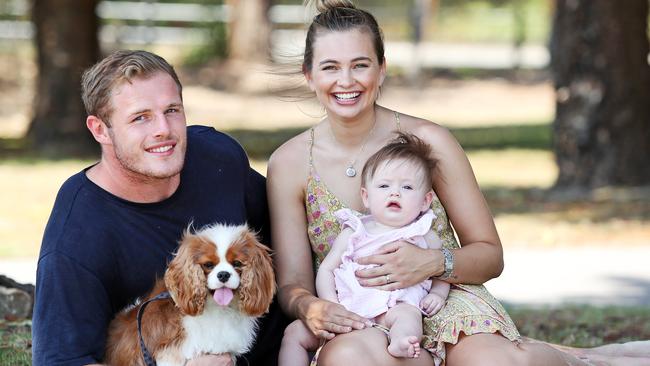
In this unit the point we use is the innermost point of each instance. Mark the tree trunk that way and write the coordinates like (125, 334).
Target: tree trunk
(599, 56)
(66, 41)
(249, 30)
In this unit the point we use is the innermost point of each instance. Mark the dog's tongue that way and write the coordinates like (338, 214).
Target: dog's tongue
(223, 296)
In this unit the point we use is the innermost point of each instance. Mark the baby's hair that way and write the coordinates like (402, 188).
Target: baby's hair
(405, 146)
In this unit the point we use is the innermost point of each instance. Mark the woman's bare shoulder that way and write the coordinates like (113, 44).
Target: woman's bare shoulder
(293, 151)
(431, 132)
(288, 165)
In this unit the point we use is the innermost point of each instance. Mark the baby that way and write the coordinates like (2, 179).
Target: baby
(396, 190)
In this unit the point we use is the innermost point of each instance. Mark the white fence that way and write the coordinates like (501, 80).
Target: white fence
(150, 14)
(147, 13)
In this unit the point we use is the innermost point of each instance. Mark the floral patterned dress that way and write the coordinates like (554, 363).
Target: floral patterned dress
(470, 309)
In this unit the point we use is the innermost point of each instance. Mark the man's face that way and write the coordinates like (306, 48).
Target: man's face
(148, 130)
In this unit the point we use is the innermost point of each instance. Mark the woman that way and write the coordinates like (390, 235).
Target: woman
(318, 172)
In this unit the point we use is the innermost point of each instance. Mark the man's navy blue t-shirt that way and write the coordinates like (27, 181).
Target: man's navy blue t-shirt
(100, 252)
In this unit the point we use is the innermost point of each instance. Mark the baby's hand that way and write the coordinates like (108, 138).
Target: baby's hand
(432, 303)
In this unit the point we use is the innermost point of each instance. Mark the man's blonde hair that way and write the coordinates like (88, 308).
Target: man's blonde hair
(99, 81)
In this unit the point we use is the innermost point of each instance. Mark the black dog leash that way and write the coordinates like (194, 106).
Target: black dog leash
(146, 355)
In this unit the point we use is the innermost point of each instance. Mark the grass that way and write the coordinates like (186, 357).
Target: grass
(15, 343)
(261, 143)
(583, 326)
(513, 180)
(24, 212)
(577, 326)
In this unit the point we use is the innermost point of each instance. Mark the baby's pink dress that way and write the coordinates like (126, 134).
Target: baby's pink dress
(369, 302)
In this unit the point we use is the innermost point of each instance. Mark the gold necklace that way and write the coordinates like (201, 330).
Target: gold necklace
(350, 171)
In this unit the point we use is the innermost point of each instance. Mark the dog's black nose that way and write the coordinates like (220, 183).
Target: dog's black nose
(223, 276)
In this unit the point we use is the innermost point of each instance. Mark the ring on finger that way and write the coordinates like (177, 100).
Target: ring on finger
(387, 278)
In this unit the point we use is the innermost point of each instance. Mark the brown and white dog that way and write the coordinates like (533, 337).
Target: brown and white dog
(220, 281)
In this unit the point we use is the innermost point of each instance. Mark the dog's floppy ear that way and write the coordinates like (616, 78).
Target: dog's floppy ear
(185, 279)
(257, 280)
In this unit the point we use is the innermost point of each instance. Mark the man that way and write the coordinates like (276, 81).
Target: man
(116, 224)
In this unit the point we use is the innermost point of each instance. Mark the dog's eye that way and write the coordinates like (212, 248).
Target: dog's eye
(237, 264)
(208, 265)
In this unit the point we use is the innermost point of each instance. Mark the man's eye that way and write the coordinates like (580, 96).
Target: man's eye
(361, 66)
(208, 265)
(237, 264)
(171, 110)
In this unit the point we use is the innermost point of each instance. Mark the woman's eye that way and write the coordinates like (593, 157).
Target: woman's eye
(361, 66)
(237, 264)
(208, 265)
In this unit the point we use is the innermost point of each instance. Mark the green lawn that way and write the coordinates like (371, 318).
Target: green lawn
(578, 326)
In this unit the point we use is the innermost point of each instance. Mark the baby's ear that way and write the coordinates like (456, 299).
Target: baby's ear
(428, 198)
(364, 197)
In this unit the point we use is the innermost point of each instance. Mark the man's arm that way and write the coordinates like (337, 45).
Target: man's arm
(71, 314)
(257, 209)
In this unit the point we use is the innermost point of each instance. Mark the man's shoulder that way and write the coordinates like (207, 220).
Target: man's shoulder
(209, 136)
(79, 214)
(71, 188)
(207, 142)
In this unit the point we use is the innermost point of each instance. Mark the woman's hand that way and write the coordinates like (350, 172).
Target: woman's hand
(400, 265)
(326, 319)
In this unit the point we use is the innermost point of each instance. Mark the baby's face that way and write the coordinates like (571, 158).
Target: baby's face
(397, 193)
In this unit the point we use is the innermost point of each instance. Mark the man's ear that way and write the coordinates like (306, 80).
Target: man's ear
(98, 128)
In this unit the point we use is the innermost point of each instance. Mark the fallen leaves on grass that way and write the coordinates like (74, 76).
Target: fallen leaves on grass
(583, 326)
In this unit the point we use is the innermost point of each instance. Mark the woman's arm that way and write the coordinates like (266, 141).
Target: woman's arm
(285, 190)
(480, 257)
(295, 274)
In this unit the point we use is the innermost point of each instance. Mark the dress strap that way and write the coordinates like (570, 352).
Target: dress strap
(311, 148)
(399, 127)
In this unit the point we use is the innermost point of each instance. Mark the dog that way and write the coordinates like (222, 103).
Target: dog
(220, 281)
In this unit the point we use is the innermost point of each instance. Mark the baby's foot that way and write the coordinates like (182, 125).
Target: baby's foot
(405, 347)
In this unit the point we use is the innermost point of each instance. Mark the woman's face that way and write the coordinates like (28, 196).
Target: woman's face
(345, 74)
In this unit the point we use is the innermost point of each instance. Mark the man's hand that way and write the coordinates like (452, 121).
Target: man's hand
(222, 359)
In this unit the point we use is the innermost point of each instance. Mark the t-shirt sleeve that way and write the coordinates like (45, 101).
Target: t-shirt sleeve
(257, 209)
(71, 313)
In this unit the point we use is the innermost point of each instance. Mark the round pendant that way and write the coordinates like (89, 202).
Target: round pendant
(350, 172)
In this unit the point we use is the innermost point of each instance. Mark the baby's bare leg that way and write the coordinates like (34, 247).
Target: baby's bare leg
(296, 343)
(405, 324)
